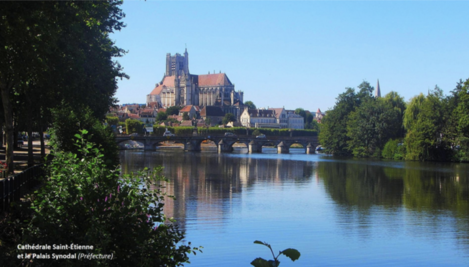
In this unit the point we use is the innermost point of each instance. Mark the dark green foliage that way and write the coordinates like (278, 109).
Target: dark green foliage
(84, 202)
(228, 117)
(300, 112)
(360, 124)
(373, 123)
(112, 120)
(161, 116)
(256, 132)
(424, 122)
(250, 105)
(134, 126)
(174, 110)
(291, 253)
(394, 149)
(185, 116)
(67, 122)
(333, 134)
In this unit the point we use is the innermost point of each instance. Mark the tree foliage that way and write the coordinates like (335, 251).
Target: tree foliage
(228, 117)
(174, 110)
(84, 202)
(250, 105)
(54, 53)
(134, 126)
(67, 122)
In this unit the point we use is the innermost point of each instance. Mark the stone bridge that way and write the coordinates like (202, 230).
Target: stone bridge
(225, 143)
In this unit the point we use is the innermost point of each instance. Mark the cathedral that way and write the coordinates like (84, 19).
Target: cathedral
(180, 88)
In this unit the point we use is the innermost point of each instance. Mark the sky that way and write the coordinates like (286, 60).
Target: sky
(298, 54)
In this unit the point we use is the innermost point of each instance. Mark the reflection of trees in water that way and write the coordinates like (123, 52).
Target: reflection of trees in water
(205, 184)
(360, 184)
(436, 194)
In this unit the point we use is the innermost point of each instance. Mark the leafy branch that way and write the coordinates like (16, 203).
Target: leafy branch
(291, 253)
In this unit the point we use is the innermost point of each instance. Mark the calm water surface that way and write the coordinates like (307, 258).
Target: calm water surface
(336, 212)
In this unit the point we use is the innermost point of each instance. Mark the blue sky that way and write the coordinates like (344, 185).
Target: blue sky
(298, 53)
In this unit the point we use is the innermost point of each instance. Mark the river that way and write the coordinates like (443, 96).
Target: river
(335, 211)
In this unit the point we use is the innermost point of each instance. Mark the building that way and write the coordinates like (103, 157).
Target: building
(180, 88)
(259, 118)
(212, 115)
(294, 120)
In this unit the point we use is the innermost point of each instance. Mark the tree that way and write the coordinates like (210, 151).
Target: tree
(423, 120)
(300, 112)
(228, 117)
(174, 110)
(93, 205)
(333, 134)
(57, 53)
(67, 122)
(373, 123)
(185, 116)
(134, 126)
(161, 116)
(250, 105)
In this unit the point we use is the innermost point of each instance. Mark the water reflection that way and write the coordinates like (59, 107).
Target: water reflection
(409, 205)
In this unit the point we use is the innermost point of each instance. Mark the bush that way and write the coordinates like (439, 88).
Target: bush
(393, 149)
(85, 202)
(66, 123)
(134, 126)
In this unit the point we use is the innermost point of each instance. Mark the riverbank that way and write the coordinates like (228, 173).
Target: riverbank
(20, 155)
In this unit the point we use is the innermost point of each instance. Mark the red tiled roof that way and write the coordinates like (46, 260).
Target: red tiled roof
(161, 110)
(168, 81)
(186, 108)
(214, 79)
(134, 116)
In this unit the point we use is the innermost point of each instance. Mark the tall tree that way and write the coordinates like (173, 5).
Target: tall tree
(423, 120)
(60, 51)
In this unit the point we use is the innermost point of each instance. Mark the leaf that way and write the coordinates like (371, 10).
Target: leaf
(260, 262)
(261, 243)
(292, 253)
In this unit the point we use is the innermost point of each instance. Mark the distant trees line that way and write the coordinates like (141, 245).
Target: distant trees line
(428, 127)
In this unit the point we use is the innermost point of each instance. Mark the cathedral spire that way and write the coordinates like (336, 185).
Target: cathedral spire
(378, 90)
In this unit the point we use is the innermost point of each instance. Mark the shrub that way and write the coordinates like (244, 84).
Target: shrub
(393, 149)
(66, 123)
(85, 202)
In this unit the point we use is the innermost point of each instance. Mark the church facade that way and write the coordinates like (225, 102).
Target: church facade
(180, 88)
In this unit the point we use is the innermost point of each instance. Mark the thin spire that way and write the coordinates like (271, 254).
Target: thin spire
(378, 90)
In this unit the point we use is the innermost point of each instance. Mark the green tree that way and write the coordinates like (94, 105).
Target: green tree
(134, 126)
(300, 112)
(174, 110)
(333, 134)
(228, 117)
(423, 120)
(55, 53)
(373, 123)
(250, 105)
(85, 202)
(67, 122)
(460, 122)
(185, 116)
(112, 120)
(161, 116)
